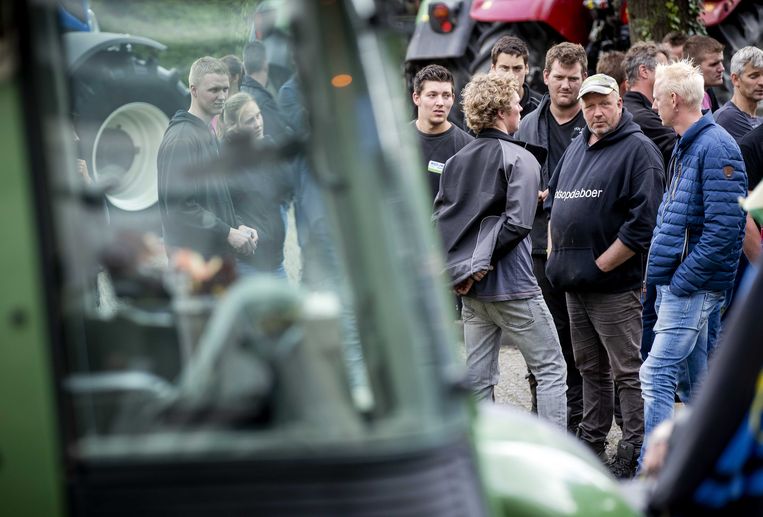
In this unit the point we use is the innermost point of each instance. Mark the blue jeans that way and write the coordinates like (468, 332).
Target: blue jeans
(528, 325)
(679, 352)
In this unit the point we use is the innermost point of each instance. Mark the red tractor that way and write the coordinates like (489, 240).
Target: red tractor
(459, 34)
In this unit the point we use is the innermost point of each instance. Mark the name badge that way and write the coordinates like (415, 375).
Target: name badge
(435, 167)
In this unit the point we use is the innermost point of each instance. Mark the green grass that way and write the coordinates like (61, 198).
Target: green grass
(190, 29)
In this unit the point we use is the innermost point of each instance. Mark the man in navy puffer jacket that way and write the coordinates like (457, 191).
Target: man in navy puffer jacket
(696, 243)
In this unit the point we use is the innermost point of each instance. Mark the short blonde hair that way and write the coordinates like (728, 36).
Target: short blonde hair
(684, 79)
(484, 96)
(204, 66)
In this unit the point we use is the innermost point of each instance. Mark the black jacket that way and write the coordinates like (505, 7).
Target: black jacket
(649, 122)
(600, 193)
(484, 212)
(530, 100)
(195, 205)
(274, 123)
(259, 193)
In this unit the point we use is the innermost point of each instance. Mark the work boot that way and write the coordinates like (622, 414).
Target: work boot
(598, 448)
(623, 464)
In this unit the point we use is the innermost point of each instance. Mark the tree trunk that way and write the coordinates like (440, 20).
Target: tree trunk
(653, 19)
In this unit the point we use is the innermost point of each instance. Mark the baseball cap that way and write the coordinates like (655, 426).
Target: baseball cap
(599, 83)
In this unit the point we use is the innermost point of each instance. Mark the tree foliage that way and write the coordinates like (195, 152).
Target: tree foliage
(653, 19)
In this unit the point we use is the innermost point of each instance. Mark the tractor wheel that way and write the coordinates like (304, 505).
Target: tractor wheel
(122, 106)
(743, 27)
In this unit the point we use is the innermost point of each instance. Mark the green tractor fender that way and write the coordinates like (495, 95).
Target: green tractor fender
(531, 468)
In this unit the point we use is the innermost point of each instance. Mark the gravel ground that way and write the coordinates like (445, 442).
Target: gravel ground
(512, 388)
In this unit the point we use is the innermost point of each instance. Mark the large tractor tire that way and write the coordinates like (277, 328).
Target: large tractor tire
(122, 105)
(741, 28)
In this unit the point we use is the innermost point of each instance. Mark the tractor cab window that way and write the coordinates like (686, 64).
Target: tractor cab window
(222, 289)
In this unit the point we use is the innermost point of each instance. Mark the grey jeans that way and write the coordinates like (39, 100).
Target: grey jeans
(606, 340)
(527, 324)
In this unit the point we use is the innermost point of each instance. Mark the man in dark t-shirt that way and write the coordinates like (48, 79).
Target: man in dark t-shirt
(738, 116)
(560, 136)
(752, 152)
(433, 96)
(553, 125)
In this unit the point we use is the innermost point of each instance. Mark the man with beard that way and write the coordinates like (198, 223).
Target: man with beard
(553, 125)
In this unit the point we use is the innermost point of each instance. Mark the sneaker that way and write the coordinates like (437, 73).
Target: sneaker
(623, 465)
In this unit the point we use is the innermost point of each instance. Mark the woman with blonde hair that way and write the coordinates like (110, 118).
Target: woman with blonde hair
(262, 189)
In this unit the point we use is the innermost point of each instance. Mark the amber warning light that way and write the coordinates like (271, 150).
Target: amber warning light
(441, 17)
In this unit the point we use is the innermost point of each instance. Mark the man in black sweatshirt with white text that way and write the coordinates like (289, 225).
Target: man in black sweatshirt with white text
(603, 198)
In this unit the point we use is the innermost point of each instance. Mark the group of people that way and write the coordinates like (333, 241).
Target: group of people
(232, 213)
(597, 227)
(229, 173)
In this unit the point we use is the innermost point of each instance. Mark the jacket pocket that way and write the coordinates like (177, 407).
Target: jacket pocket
(573, 269)
(685, 248)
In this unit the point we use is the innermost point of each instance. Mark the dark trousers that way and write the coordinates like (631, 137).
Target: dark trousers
(606, 338)
(648, 319)
(557, 305)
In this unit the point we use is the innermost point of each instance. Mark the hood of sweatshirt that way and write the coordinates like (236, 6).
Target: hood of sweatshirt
(183, 117)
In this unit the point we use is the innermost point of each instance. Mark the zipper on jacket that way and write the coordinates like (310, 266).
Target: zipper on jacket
(675, 179)
(685, 249)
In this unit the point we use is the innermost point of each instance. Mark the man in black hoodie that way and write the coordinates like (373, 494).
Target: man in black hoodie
(603, 198)
(484, 211)
(196, 209)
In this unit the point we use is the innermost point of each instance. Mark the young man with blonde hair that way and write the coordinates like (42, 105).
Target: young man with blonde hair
(484, 211)
(197, 210)
(696, 244)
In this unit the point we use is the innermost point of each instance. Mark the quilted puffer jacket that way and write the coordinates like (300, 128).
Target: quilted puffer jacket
(698, 237)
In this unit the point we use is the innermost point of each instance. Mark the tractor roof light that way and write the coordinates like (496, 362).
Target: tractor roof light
(442, 17)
